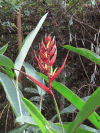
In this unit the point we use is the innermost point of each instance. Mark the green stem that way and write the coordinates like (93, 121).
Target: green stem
(41, 98)
(58, 114)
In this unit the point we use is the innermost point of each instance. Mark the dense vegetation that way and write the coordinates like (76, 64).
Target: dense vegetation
(74, 23)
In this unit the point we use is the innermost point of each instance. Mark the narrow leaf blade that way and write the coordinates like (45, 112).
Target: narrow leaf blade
(85, 52)
(8, 71)
(5, 61)
(26, 45)
(92, 103)
(3, 49)
(11, 95)
(37, 116)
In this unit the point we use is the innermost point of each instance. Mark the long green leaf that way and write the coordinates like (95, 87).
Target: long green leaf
(8, 71)
(25, 119)
(37, 116)
(27, 44)
(85, 52)
(56, 128)
(5, 61)
(74, 99)
(11, 95)
(89, 128)
(79, 130)
(92, 103)
(3, 49)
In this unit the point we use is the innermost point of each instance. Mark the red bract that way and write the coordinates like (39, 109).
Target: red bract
(39, 84)
(43, 46)
(52, 51)
(58, 72)
(52, 61)
(51, 44)
(40, 65)
(47, 39)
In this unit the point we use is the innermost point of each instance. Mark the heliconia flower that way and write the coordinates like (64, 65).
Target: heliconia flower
(47, 57)
(39, 84)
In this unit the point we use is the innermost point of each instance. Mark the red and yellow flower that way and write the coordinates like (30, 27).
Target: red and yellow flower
(46, 59)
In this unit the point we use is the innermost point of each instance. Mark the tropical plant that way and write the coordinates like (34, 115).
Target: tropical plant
(37, 122)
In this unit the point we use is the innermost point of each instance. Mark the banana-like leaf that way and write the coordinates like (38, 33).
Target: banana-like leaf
(85, 52)
(74, 99)
(26, 45)
(92, 104)
(3, 49)
(11, 95)
(32, 72)
(37, 116)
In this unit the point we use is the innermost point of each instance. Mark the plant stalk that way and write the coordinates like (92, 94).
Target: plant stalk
(41, 98)
(58, 114)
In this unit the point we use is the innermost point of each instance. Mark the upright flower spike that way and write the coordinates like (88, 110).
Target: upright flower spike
(47, 57)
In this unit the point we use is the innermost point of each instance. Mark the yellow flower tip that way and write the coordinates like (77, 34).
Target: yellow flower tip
(48, 44)
(45, 54)
(46, 66)
(55, 71)
(51, 70)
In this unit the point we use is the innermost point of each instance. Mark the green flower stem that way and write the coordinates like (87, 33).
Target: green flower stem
(41, 98)
(58, 114)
